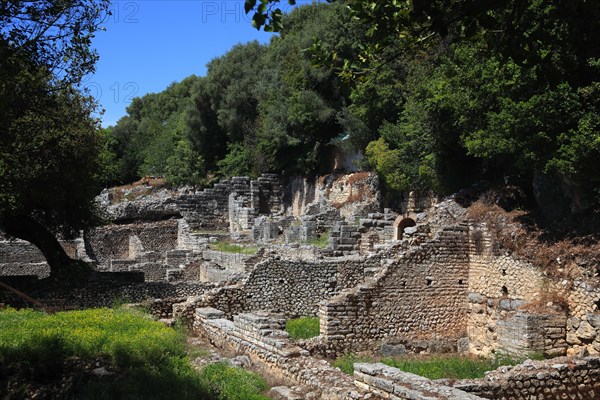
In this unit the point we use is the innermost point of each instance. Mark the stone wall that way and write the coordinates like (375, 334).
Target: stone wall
(559, 378)
(261, 337)
(500, 325)
(501, 288)
(209, 209)
(394, 384)
(496, 276)
(105, 292)
(18, 257)
(419, 295)
(583, 325)
(292, 288)
(114, 242)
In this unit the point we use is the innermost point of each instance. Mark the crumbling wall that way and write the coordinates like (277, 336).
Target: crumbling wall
(107, 289)
(418, 296)
(499, 287)
(112, 242)
(209, 209)
(292, 288)
(19, 257)
(559, 378)
(392, 383)
(583, 325)
(262, 338)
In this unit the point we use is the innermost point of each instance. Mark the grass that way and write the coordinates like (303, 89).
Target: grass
(303, 328)
(233, 248)
(321, 242)
(149, 358)
(435, 367)
(231, 383)
(346, 362)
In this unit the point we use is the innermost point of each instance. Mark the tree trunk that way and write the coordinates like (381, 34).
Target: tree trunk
(26, 228)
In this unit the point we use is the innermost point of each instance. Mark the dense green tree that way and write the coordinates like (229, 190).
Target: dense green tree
(149, 135)
(50, 146)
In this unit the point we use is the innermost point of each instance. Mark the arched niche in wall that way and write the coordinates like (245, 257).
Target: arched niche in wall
(400, 223)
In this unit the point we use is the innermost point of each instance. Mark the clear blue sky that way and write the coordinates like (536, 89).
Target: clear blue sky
(150, 43)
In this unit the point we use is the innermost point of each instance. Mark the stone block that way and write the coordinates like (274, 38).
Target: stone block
(586, 331)
(392, 350)
(210, 313)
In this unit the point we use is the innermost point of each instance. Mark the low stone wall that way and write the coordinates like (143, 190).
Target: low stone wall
(394, 384)
(558, 378)
(105, 294)
(163, 308)
(419, 295)
(293, 288)
(261, 338)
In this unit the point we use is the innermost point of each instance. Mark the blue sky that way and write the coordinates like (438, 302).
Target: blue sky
(150, 43)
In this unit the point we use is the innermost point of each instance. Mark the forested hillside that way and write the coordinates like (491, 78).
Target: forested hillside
(520, 107)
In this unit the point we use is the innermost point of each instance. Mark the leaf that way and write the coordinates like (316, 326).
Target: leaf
(249, 5)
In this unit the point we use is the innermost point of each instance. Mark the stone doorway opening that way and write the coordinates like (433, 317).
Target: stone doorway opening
(400, 224)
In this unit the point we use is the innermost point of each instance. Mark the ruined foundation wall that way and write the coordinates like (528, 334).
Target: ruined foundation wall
(420, 296)
(209, 209)
(106, 292)
(118, 242)
(293, 288)
(498, 286)
(394, 384)
(261, 337)
(559, 378)
(19, 257)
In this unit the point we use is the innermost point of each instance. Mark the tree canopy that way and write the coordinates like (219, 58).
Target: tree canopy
(50, 163)
(437, 95)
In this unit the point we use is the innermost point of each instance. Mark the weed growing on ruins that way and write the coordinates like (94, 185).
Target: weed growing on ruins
(450, 367)
(321, 242)
(233, 248)
(303, 328)
(126, 336)
(346, 362)
(145, 358)
(434, 367)
(230, 383)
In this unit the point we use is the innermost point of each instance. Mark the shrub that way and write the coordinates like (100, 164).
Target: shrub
(232, 383)
(346, 362)
(303, 328)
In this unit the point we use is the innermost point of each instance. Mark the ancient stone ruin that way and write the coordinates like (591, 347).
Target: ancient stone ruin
(423, 278)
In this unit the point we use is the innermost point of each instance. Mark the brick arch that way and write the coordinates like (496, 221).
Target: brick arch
(400, 223)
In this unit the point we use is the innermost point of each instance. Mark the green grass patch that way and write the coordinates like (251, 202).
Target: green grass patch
(126, 336)
(450, 367)
(303, 328)
(233, 248)
(321, 242)
(230, 383)
(150, 359)
(435, 367)
(346, 362)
